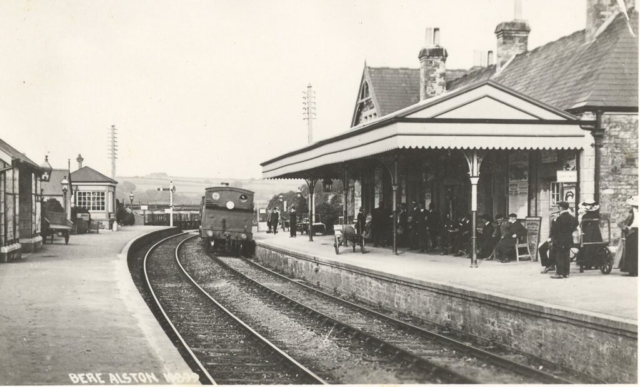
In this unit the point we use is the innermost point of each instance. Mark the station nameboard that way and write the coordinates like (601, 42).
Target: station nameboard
(144, 207)
(532, 224)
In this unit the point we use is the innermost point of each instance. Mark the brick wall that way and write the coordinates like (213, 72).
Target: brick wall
(618, 167)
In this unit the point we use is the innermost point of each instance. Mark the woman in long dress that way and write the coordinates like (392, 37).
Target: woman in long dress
(630, 228)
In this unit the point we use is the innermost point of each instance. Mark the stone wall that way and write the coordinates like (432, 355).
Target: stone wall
(603, 348)
(618, 167)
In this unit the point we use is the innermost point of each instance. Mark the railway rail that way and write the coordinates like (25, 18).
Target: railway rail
(226, 349)
(482, 362)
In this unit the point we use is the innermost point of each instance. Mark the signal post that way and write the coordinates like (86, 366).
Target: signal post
(171, 189)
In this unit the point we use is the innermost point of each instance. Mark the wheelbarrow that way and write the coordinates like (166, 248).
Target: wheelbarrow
(345, 234)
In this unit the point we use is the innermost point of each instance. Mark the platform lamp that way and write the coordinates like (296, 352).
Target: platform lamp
(327, 184)
(65, 189)
(131, 198)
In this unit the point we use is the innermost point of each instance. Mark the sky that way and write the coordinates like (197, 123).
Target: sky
(213, 88)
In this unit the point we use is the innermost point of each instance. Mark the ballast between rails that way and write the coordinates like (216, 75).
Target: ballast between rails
(175, 330)
(436, 370)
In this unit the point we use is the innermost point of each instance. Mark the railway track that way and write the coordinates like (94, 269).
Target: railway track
(482, 362)
(225, 348)
(342, 356)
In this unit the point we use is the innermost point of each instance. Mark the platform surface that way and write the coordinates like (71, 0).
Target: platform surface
(591, 292)
(73, 309)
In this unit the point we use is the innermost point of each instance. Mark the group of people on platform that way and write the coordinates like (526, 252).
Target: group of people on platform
(273, 218)
(555, 252)
(497, 239)
(426, 230)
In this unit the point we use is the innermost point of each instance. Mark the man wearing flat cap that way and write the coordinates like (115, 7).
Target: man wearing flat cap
(562, 239)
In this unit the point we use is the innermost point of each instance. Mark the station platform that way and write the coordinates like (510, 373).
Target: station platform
(613, 295)
(73, 309)
(587, 323)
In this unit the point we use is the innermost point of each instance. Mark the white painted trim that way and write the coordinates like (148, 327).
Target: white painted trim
(10, 248)
(31, 240)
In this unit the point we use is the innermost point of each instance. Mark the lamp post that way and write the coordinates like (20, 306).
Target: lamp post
(65, 189)
(131, 198)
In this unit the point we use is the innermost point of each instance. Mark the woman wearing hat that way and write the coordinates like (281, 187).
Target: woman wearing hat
(630, 228)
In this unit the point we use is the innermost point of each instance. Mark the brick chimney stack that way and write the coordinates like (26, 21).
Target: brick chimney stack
(432, 65)
(598, 11)
(79, 160)
(513, 36)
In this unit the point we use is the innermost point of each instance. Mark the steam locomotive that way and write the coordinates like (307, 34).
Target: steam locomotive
(226, 216)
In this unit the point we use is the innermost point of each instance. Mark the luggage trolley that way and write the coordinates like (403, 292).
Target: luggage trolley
(592, 252)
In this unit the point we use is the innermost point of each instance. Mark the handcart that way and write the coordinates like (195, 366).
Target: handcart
(345, 234)
(57, 222)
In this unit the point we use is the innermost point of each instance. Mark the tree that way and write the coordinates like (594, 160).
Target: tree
(52, 205)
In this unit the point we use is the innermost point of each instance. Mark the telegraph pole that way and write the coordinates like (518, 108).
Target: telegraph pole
(112, 149)
(309, 110)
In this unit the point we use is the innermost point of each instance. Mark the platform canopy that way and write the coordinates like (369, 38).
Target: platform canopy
(486, 115)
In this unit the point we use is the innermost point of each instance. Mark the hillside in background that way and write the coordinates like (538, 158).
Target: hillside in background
(189, 190)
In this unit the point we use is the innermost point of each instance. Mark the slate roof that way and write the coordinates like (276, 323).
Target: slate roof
(54, 186)
(397, 88)
(90, 175)
(570, 73)
(13, 152)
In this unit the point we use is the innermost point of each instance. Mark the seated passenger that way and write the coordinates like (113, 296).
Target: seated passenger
(510, 230)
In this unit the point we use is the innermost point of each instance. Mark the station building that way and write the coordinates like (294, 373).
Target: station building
(559, 122)
(20, 214)
(93, 191)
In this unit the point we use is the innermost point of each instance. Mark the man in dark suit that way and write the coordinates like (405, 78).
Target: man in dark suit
(485, 241)
(562, 239)
(423, 233)
(433, 223)
(293, 222)
(360, 221)
(275, 217)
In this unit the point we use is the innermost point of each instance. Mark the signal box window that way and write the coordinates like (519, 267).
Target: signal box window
(91, 200)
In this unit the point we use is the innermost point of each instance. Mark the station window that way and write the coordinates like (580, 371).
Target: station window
(555, 194)
(91, 200)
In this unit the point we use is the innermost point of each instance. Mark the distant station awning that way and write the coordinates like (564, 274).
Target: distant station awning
(483, 116)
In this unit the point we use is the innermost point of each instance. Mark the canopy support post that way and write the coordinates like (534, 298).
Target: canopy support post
(394, 185)
(345, 187)
(474, 158)
(311, 183)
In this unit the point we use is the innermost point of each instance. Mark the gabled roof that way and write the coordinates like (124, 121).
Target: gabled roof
(13, 152)
(484, 115)
(90, 175)
(396, 88)
(570, 73)
(53, 187)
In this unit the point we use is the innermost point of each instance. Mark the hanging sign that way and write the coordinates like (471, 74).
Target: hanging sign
(567, 176)
(549, 156)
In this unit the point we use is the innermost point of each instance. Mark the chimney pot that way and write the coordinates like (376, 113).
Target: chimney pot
(79, 160)
(490, 58)
(517, 9)
(432, 65)
(428, 37)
